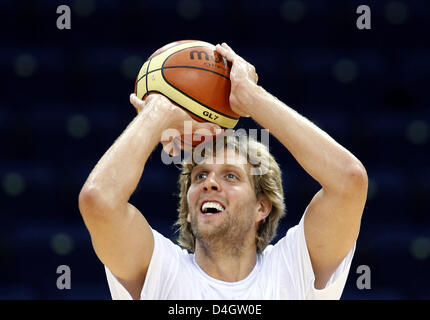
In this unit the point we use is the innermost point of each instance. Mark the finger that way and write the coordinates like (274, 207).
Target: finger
(225, 45)
(132, 95)
(227, 48)
(136, 102)
(229, 55)
(132, 101)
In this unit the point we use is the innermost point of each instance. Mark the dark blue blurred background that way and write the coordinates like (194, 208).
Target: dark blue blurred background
(64, 101)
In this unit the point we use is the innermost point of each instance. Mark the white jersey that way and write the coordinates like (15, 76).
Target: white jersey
(282, 271)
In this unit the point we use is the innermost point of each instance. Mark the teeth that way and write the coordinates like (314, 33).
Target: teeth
(213, 205)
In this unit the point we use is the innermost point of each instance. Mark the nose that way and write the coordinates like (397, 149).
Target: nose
(211, 183)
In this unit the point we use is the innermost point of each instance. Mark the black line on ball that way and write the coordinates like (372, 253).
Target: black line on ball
(147, 68)
(145, 74)
(199, 102)
(199, 68)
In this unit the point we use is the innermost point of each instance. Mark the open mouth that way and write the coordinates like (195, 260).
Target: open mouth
(211, 208)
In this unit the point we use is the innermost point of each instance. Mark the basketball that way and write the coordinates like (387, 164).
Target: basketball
(194, 77)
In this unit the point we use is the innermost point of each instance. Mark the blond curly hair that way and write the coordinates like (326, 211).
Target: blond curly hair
(266, 181)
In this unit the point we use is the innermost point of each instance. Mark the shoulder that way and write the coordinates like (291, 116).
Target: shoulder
(289, 241)
(164, 244)
(290, 262)
(166, 269)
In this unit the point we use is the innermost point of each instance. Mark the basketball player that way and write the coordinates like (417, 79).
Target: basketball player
(227, 217)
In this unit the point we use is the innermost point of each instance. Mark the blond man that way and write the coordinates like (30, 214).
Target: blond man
(227, 216)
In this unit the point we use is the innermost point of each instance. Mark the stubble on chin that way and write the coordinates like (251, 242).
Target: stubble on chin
(227, 237)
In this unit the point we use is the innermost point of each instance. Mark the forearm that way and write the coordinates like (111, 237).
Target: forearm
(116, 175)
(320, 155)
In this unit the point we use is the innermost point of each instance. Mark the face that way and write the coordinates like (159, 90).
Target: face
(223, 207)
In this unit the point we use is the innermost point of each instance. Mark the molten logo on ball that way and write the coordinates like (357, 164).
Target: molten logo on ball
(212, 57)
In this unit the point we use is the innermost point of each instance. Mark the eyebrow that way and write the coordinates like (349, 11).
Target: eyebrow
(238, 169)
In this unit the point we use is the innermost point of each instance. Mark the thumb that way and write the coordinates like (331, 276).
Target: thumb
(137, 103)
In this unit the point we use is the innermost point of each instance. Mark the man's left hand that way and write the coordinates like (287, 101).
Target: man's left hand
(243, 80)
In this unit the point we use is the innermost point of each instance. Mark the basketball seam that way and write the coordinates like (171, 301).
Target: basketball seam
(146, 80)
(214, 110)
(145, 74)
(192, 67)
(199, 68)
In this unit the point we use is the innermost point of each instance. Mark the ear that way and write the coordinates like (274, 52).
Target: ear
(188, 217)
(264, 208)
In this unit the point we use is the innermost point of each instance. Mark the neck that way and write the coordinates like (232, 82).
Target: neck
(226, 263)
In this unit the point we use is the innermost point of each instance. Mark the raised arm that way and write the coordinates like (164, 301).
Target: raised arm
(121, 236)
(332, 221)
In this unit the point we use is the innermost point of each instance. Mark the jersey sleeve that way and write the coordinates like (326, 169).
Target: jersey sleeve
(162, 270)
(294, 260)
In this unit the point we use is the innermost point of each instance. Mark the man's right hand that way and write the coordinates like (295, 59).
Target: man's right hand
(176, 119)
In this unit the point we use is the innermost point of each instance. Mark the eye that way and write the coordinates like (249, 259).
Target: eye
(231, 176)
(201, 175)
